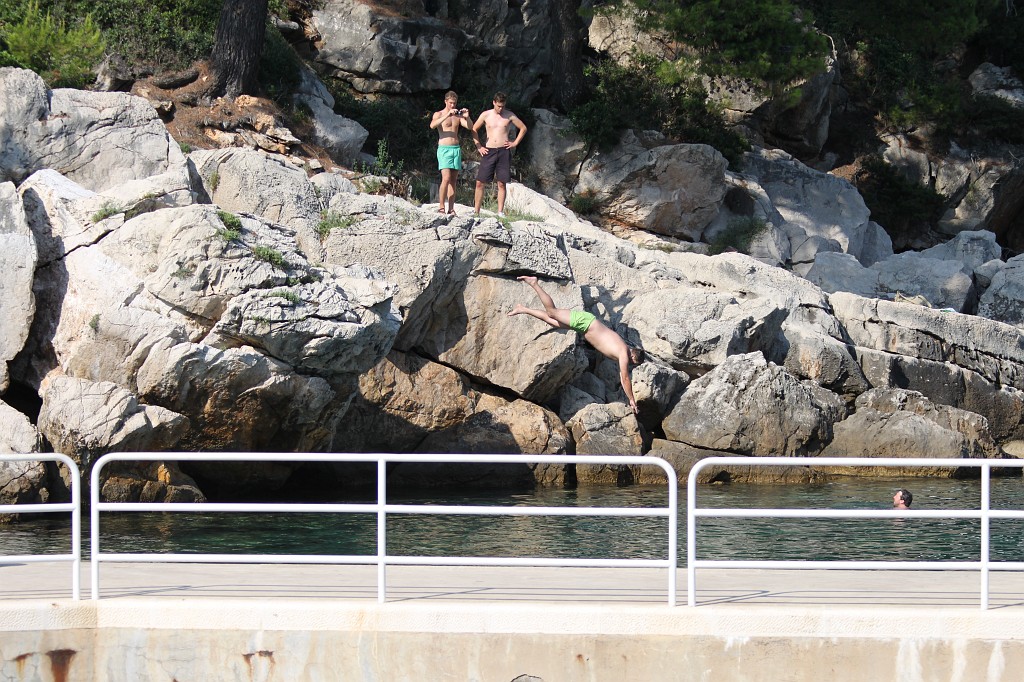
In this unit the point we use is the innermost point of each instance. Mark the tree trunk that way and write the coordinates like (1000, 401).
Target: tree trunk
(237, 46)
(568, 66)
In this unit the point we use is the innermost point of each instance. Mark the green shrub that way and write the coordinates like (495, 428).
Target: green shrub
(647, 94)
(280, 66)
(63, 54)
(268, 254)
(109, 208)
(6, 59)
(232, 229)
(900, 206)
(330, 220)
(289, 296)
(185, 147)
(401, 123)
(584, 203)
(168, 33)
(738, 235)
(230, 220)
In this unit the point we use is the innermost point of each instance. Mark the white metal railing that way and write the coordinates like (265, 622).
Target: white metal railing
(984, 512)
(74, 507)
(381, 508)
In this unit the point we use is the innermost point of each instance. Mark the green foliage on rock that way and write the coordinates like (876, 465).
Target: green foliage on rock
(738, 235)
(280, 66)
(62, 52)
(645, 95)
(171, 33)
(772, 42)
(896, 203)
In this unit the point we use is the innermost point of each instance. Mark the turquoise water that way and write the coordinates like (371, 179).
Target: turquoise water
(877, 539)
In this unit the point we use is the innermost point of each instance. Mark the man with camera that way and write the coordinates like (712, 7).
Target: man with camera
(447, 121)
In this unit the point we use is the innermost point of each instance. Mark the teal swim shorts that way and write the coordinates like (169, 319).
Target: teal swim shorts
(449, 156)
(580, 321)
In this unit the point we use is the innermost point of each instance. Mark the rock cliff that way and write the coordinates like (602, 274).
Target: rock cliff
(160, 301)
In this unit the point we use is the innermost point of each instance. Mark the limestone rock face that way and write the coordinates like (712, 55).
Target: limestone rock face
(121, 135)
(952, 359)
(735, 408)
(759, 308)
(456, 289)
(17, 304)
(556, 153)
(821, 204)
(20, 482)
(901, 423)
(342, 137)
(647, 184)
(942, 283)
(86, 419)
(218, 323)
(378, 52)
(1003, 300)
(989, 79)
(245, 180)
(800, 127)
(605, 430)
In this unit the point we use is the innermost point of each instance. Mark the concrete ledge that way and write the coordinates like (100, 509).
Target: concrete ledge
(296, 623)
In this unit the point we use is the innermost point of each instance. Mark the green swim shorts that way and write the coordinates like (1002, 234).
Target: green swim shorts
(449, 156)
(579, 321)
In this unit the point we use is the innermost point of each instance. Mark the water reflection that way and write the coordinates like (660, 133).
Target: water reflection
(591, 537)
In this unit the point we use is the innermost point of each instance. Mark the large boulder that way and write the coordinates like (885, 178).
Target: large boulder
(899, 423)
(86, 419)
(382, 52)
(952, 359)
(1003, 300)
(17, 304)
(760, 308)
(213, 316)
(556, 153)
(796, 120)
(735, 408)
(456, 288)
(644, 183)
(250, 181)
(121, 135)
(822, 205)
(342, 137)
(20, 482)
(993, 81)
(942, 283)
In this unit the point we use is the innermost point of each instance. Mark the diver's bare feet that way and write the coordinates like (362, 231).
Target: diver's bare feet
(518, 310)
(528, 279)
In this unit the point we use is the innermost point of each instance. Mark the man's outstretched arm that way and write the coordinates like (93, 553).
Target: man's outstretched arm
(627, 383)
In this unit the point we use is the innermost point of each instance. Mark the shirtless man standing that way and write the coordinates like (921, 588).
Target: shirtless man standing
(602, 338)
(449, 153)
(496, 157)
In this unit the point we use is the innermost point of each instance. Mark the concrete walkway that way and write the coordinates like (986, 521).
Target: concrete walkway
(321, 623)
(500, 584)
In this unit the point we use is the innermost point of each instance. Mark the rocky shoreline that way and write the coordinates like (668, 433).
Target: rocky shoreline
(157, 300)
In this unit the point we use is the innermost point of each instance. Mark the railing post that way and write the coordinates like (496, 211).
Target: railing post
(673, 535)
(382, 523)
(986, 471)
(691, 540)
(76, 531)
(94, 529)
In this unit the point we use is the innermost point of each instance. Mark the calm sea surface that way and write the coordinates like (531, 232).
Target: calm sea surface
(882, 539)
